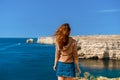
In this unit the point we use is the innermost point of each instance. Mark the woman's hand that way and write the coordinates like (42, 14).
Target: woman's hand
(78, 69)
(54, 67)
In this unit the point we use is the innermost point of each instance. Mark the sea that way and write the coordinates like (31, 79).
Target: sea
(22, 61)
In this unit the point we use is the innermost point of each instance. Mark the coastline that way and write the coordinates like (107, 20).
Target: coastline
(88, 76)
(93, 46)
(98, 78)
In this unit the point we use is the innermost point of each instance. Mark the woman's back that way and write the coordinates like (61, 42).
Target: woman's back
(67, 55)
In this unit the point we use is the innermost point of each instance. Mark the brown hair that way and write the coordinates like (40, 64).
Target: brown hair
(62, 35)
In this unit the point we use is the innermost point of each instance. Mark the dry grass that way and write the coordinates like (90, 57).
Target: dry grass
(80, 79)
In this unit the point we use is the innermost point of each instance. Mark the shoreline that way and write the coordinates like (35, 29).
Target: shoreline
(88, 76)
(98, 78)
(93, 46)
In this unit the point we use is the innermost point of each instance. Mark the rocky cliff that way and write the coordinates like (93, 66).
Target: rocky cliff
(45, 40)
(98, 46)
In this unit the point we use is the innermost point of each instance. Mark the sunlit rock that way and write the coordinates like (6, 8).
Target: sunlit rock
(29, 40)
(46, 40)
(95, 47)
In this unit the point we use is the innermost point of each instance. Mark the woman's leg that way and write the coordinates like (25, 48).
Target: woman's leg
(61, 78)
(69, 78)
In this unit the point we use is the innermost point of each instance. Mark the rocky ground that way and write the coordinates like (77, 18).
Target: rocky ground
(99, 78)
(88, 76)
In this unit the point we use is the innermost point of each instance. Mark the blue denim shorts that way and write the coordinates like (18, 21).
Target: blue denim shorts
(65, 69)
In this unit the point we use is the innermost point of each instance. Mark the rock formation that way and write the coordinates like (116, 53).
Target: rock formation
(29, 40)
(46, 40)
(98, 46)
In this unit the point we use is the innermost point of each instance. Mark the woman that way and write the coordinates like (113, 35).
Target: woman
(66, 58)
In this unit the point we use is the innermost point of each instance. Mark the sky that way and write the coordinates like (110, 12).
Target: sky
(39, 18)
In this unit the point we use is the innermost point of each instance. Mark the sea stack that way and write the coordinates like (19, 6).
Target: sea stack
(29, 40)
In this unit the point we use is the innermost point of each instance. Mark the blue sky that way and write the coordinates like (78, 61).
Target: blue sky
(34, 18)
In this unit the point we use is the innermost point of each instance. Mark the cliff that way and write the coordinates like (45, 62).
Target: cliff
(45, 40)
(97, 46)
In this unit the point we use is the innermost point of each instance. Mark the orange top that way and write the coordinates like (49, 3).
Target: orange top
(69, 52)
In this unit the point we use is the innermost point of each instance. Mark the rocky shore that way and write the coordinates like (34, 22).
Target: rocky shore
(88, 76)
(95, 46)
(46, 40)
(99, 78)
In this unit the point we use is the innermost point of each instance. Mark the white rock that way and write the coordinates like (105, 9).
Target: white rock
(29, 40)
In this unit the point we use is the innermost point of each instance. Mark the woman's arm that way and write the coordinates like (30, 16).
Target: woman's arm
(75, 55)
(57, 56)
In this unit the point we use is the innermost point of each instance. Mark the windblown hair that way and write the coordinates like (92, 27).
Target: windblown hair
(62, 35)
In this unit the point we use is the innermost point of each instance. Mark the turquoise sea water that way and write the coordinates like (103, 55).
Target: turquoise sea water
(21, 61)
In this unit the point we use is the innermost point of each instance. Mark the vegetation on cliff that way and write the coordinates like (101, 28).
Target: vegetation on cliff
(88, 76)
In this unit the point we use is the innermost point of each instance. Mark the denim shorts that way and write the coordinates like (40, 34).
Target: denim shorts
(65, 69)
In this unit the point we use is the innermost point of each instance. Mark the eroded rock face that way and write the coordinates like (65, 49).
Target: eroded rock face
(46, 40)
(101, 47)
(98, 47)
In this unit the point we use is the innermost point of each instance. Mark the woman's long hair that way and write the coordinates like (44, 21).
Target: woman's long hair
(62, 35)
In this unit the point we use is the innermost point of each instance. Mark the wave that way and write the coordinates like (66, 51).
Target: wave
(9, 46)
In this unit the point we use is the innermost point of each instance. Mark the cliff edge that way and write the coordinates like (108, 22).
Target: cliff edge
(97, 46)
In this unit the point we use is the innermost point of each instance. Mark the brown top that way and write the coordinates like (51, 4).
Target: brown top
(69, 52)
